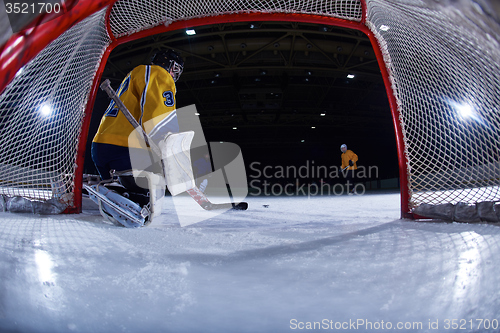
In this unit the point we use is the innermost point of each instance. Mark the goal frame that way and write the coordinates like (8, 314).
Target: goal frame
(23, 46)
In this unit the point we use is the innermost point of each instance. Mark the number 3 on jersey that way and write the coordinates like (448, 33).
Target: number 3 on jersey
(169, 98)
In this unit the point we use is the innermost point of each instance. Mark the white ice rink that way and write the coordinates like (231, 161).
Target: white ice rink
(336, 264)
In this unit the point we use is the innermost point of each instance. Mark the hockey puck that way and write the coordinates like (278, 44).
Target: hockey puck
(265, 206)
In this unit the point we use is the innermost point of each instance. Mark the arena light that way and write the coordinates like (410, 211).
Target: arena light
(190, 32)
(350, 76)
(465, 111)
(45, 110)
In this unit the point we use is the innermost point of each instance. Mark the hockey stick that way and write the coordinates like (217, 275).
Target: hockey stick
(203, 201)
(106, 86)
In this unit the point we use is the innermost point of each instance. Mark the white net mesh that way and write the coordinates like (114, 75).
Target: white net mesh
(41, 113)
(442, 60)
(128, 15)
(444, 68)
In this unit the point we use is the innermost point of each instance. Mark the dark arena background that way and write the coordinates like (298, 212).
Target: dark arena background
(287, 93)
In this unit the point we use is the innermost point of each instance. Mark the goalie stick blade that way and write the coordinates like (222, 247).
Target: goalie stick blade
(235, 206)
(240, 206)
(203, 201)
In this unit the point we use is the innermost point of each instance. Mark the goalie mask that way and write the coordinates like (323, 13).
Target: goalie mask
(171, 61)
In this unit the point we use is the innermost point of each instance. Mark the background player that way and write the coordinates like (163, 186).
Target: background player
(349, 159)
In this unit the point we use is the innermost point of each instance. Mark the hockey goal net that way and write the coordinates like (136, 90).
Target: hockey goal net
(440, 64)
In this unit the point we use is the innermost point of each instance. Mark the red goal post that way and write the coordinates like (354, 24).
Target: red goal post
(64, 59)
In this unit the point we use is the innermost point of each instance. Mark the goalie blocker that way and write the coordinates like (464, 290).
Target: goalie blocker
(177, 176)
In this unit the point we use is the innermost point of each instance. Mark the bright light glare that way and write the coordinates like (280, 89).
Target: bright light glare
(464, 110)
(350, 76)
(46, 110)
(44, 265)
(384, 27)
(20, 71)
(16, 43)
(190, 32)
(469, 267)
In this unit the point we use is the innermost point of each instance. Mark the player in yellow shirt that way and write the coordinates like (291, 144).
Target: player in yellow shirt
(349, 159)
(148, 92)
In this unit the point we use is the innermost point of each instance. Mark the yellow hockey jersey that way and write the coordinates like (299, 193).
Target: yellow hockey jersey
(349, 156)
(148, 92)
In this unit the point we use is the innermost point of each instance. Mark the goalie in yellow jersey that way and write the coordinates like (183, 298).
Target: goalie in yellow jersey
(148, 92)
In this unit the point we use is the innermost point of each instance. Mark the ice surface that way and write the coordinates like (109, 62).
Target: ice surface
(329, 261)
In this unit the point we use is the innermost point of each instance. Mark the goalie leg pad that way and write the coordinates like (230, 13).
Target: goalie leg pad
(176, 157)
(156, 185)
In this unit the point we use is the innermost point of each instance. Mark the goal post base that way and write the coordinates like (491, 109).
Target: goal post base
(487, 211)
(19, 204)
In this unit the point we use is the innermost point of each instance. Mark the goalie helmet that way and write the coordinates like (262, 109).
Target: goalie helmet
(171, 61)
(343, 147)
